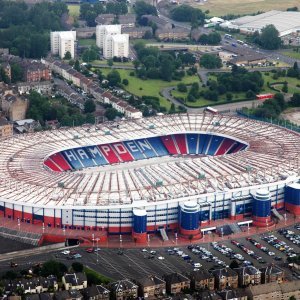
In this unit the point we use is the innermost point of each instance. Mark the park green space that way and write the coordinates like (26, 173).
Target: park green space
(292, 54)
(74, 10)
(87, 42)
(224, 7)
(292, 88)
(150, 87)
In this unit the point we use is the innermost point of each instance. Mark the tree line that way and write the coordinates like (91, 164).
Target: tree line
(89, 12)
(25, 30)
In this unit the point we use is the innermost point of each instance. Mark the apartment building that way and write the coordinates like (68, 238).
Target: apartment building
(113, 43)
(63, 42)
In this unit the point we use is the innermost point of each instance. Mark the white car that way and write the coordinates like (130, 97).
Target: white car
(144, 250)
(271, 253)
(66, 252)
(161, 258)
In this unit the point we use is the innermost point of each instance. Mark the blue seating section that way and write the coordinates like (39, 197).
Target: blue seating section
(176, 144)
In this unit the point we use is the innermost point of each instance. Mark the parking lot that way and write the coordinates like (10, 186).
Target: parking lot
(258, 250)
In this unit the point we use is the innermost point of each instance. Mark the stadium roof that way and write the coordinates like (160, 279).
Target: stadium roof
(272, 156)
(285, 22)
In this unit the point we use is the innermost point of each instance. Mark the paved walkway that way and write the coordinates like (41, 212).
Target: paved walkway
(126, 241)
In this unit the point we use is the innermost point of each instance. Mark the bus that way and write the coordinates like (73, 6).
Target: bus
(227, 36)
(211, 110)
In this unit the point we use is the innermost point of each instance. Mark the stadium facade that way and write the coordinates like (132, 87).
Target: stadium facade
(174, 172)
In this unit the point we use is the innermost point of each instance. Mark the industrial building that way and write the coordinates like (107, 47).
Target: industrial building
(286, 22)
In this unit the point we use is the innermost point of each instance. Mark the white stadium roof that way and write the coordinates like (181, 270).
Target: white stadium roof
(272, 151)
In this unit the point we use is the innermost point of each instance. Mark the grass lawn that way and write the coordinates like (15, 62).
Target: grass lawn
(87, 42)
(292, 54)
(224, 7)
(74, 10)
(104, 62)
(150, 87)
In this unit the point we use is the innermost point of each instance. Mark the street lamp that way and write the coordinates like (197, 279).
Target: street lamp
(64, 229)
(93, 239)
(97, 239)
(43, 227)
(121, 240)
(148, 237)
(284, 219)
(176, 238)
(19, 224)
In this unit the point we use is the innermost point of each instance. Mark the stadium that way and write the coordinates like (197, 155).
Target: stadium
(163, 173)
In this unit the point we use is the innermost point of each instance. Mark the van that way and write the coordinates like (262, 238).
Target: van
(197, 265)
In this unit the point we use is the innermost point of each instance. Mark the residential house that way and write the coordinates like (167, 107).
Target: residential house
(96, 292)
(225, 278)
(35, 71)
(269, 291)
(176, 33)
(74, 281)
(68, 295)
(236, 294)
(137, 32)
(42, 87)
(176, 282)
(32, 285)
(41, 296)
(160, 23)
(151, 287)
(26, 125)
(7, 69)
(6, 128)
(248, 275)
(202, 280)
(123, 289)
(4, 51)
(105, 19)
(85, 32)
(272, 273)
(133, 113)
(289, 289)
(127, 20)
(207, 295)
(13, 105)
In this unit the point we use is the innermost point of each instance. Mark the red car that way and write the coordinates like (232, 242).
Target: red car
(89, 250)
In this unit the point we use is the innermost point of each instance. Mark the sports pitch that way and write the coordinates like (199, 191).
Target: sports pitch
(224, 7)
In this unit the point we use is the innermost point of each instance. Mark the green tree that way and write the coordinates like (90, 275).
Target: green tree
(77, 267)
(16, 73)
(113, 78)
(89, 106)
(269, 38)
(210, 61)
(182, 87)
(229, 96)
(111, 113)
(285, 88)
(77, 65)
(110, 62)
(125, 81)
(186, 13)
(234, 264)
(172, 109)
(67, 55)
